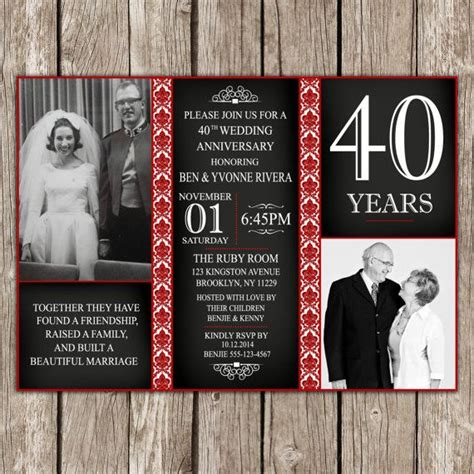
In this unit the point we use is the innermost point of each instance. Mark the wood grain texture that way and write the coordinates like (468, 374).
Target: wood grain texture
(94, 37)
(378, 430)
(446, 421)
(228, 438)
(160, 37)
(161, 432)
(300, 429)
(378, 37)
(94, 426)
(94, 432)
(28, 420)
(160, 424)
(300, 37)
(226, 38)
(300, 432)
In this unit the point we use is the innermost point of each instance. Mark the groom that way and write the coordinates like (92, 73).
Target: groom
(125, 182)
(360, 312)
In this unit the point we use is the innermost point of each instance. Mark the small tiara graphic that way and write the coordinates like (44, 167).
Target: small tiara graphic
(237, 96)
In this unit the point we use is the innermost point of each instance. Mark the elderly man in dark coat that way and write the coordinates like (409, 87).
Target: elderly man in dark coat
(360, 312)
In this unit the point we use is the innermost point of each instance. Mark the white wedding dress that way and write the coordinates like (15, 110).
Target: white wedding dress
(61, 224)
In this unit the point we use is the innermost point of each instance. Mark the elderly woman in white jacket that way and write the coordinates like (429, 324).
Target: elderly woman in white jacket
(416, 340)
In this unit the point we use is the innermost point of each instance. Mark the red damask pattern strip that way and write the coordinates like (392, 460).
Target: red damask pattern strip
(162, 255)
(309, 235)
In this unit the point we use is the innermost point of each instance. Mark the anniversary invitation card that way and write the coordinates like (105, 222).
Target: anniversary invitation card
(236, 233)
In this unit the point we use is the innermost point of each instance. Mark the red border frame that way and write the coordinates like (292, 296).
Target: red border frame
(309, 230)
(299, 78)
(162, 236)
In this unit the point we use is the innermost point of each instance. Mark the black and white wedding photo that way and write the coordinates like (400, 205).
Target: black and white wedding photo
(388, 313)
(84, 179)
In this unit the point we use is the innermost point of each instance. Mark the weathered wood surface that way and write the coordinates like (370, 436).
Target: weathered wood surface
(212, 432)
(28, 440)
(445, 421)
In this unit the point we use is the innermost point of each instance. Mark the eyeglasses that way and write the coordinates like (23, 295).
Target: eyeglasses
(387, 264)
(120, 104)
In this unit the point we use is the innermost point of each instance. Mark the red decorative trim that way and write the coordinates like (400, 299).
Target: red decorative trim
(309, 235)
(162, 234)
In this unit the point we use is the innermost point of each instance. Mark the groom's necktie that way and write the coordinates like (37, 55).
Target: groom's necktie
(373, 293)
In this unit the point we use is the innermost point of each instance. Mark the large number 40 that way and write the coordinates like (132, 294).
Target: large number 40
(362, 147)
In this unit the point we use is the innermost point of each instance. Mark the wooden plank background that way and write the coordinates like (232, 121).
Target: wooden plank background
(236, 432)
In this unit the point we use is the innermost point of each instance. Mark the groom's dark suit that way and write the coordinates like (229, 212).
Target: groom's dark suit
(356, 332)
(127, 229)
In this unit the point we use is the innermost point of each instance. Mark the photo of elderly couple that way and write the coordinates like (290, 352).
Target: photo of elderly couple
(84, 179)
(384, 333)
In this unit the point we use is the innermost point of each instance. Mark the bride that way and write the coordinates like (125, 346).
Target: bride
(59, 207)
